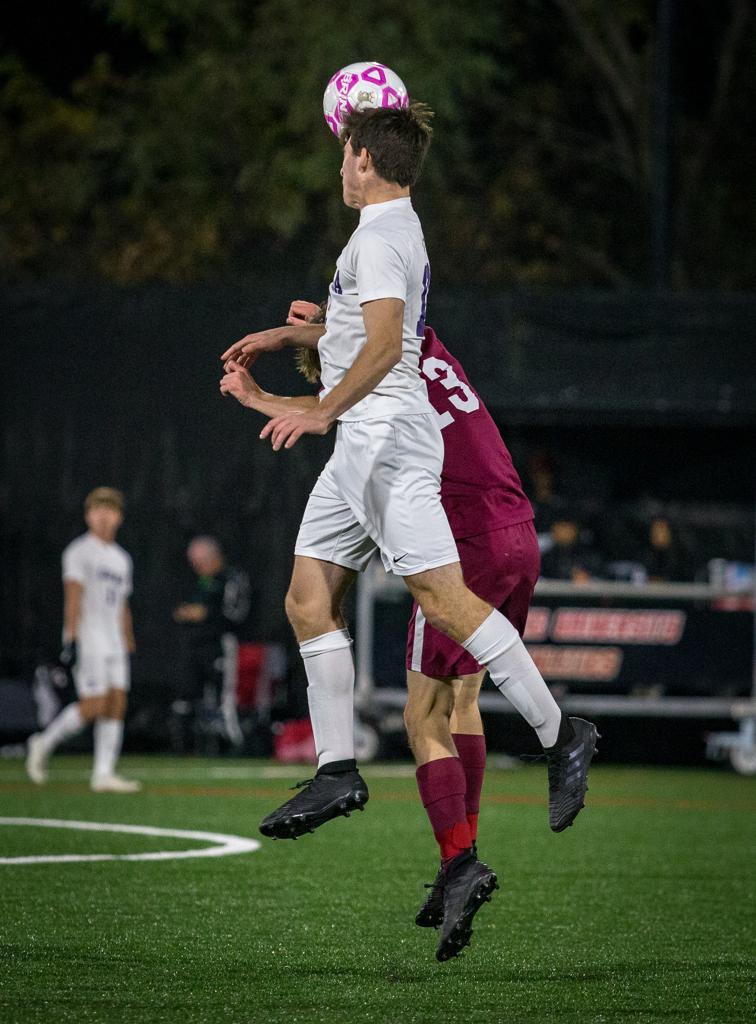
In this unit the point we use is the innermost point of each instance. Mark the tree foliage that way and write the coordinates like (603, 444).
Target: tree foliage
(207, 140)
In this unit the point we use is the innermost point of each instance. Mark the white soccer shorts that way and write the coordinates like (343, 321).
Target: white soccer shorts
(380, 490)
(96, 672)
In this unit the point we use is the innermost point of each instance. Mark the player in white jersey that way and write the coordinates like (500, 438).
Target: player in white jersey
(98, 637)
(380, 490)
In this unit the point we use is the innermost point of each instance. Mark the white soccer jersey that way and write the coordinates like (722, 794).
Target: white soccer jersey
(384, 259)
(105, 572)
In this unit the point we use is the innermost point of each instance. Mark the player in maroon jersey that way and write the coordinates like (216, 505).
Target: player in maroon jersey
(492, 523)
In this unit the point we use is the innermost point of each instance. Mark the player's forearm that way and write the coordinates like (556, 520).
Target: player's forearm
(379, 355)
(70, 624)
(277, 405)
(306, 335)
(71, 612)
(127, 624)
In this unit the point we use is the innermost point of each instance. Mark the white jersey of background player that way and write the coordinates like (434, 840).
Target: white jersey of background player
(97, 640)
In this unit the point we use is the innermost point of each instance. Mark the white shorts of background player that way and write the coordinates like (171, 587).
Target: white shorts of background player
(99, 670)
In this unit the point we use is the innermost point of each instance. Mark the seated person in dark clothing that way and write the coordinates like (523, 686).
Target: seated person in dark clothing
(570, 556)
(205, 711)
(663, 558)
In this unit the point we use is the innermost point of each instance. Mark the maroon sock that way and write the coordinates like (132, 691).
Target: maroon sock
(442, 790)
(472, 754)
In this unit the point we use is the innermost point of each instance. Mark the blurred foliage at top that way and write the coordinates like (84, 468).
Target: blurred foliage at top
(164, 139)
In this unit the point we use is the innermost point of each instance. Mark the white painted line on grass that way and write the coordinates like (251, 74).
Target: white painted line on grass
(198, 772)
(223, 845)
(400, 771)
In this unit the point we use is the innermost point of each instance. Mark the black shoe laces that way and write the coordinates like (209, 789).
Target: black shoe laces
(438, 882)
(302, 784)
(556, 763)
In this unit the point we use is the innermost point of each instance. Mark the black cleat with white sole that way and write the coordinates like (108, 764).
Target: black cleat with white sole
(325, 797)
(568, 773)
(468, 885)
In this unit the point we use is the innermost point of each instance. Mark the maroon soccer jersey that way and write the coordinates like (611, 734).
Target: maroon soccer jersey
(480, 488)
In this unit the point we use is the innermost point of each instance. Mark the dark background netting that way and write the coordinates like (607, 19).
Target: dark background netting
(103, 385)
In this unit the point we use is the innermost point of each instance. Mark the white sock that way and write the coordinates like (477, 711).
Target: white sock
(108, 736)
(329, 666)
(63, 727)
(497, 645)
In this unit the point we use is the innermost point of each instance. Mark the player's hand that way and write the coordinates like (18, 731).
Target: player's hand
(68, 654)
(301, 312)
(286, 430)
(190, 613)
(245, 351)
(240, 383)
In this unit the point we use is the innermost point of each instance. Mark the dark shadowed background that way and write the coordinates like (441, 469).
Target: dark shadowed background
(168, 184)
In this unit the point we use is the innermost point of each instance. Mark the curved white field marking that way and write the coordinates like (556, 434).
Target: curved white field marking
(222, 845)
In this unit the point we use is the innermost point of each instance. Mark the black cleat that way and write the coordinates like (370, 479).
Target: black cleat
(568, 774)
(431, 914)
(468, 885)
(322, 798)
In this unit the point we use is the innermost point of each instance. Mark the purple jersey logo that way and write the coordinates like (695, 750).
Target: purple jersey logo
(420, 329)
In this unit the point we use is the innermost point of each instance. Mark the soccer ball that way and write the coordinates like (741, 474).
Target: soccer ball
(365, 84)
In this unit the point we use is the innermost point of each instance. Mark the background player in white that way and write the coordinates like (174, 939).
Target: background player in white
(380, 490)
(98, 637)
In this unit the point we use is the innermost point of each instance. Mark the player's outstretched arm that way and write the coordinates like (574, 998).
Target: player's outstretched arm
(241, 384)
(301, 335)
(380, 353)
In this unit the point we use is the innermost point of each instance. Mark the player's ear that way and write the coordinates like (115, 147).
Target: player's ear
(365, 161)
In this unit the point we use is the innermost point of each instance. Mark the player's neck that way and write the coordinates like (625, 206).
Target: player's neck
(382, 192)
(103, 538)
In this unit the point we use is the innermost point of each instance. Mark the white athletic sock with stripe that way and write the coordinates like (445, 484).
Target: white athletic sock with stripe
(329, 666)
(65, 725)
(497, 645)
(108, 737)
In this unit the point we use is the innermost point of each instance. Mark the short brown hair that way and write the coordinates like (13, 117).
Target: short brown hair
(397, 139)
(308, 360)
(104, 496)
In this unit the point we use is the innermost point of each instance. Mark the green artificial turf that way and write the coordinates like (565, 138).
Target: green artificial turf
(644, 911)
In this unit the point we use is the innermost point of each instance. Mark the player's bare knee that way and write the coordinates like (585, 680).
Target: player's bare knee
(296, 607)
(116, 705)
(436, 611)
(465, 698)
(427, 711)
(91, 708)
(415, 715)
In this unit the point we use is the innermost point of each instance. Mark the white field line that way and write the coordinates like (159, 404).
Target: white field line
(222, 845)
(400, 771)
(198, 773)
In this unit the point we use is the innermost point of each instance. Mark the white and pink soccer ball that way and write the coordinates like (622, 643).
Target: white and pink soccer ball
(365, 84)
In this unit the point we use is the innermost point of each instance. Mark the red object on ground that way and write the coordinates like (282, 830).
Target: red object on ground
(294, 743)
(250, 665)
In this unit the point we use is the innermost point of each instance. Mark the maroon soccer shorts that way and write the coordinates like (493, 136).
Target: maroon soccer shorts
(502, 568)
